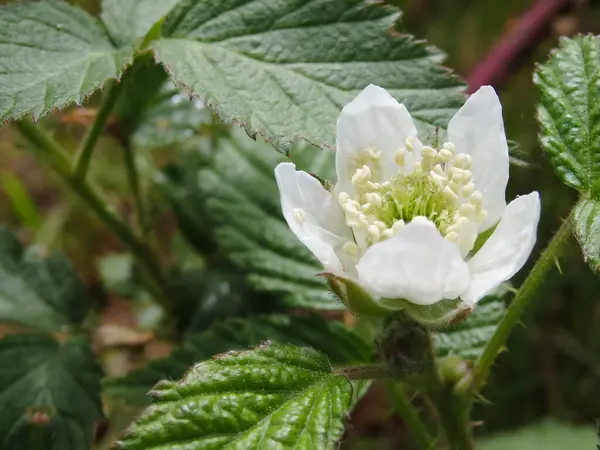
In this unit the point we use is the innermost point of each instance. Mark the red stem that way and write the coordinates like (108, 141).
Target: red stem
(529, 27)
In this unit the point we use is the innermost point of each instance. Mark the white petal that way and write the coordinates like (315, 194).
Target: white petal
(478, 130)
(506, 250)
(312, 214)
(417, 264)
(373, 119)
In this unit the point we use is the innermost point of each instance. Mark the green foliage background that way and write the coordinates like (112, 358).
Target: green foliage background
(553, 366)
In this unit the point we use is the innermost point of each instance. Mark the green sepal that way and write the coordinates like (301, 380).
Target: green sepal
(354, 297)
(442, 314)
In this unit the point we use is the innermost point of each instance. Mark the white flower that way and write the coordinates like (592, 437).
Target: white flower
(403, 217)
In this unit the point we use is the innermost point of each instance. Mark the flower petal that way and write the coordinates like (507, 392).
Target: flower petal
(478, 130)
(373, 119)
(417, 264)
(312, 214)
(506, 250)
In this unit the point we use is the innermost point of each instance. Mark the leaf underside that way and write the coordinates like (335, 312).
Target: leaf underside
(285, 68)
(52, 54)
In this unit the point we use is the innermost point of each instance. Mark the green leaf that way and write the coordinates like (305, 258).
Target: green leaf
(52, 54)
(569, 111)
(547, 435)
(341, 345)
(469, 338)
(37, 291)
(49, 393)
(275, 396)
(238, 195)
(285, 68)
(129, 21)
(586, 221)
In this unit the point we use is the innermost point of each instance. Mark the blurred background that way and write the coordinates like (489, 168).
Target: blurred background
(552, 368)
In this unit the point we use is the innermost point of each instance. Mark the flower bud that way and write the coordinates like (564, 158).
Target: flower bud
(405, 346)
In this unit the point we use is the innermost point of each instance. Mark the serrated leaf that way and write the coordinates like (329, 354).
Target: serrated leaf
(52, 54)
(129, 21)
(586, 225)
(238, 195)
(341, 345)
(469, 338)
(275, 396)
(284, 69)
(37, 291)
(49, 393)
(548, 434)
(569, 113)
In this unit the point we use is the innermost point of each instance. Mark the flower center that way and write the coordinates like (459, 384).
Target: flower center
(438, 188)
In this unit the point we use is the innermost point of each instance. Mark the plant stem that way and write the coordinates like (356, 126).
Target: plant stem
(84, 154)
(522, 299)
(454, 418)
(135, 186)
(418, 431)
(59, 160)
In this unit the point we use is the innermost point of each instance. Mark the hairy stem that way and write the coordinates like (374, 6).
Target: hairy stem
(84, 154)
(366, 372)
(453, 411)
(403, 406)
(59, 160)
(522, 299)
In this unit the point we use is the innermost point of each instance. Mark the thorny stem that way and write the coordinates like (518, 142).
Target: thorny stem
(402, 404)
(84, 154)
(522, 299)
(58, 159)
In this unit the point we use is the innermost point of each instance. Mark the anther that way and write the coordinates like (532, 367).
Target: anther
(374, 234)
(452, 236)
(476, 198)
(468, 189)
(361, 175)
(450, 194)
(373, 200)
(299, 215)
(409, 142)
(467, 210)
(343, 197)
(398, 225)
(450, 147)
(445, 155)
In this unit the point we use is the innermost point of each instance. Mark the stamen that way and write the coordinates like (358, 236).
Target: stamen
(399, 157)
(374, 234)
(361, 175)
(439, 188)
(299, 215)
